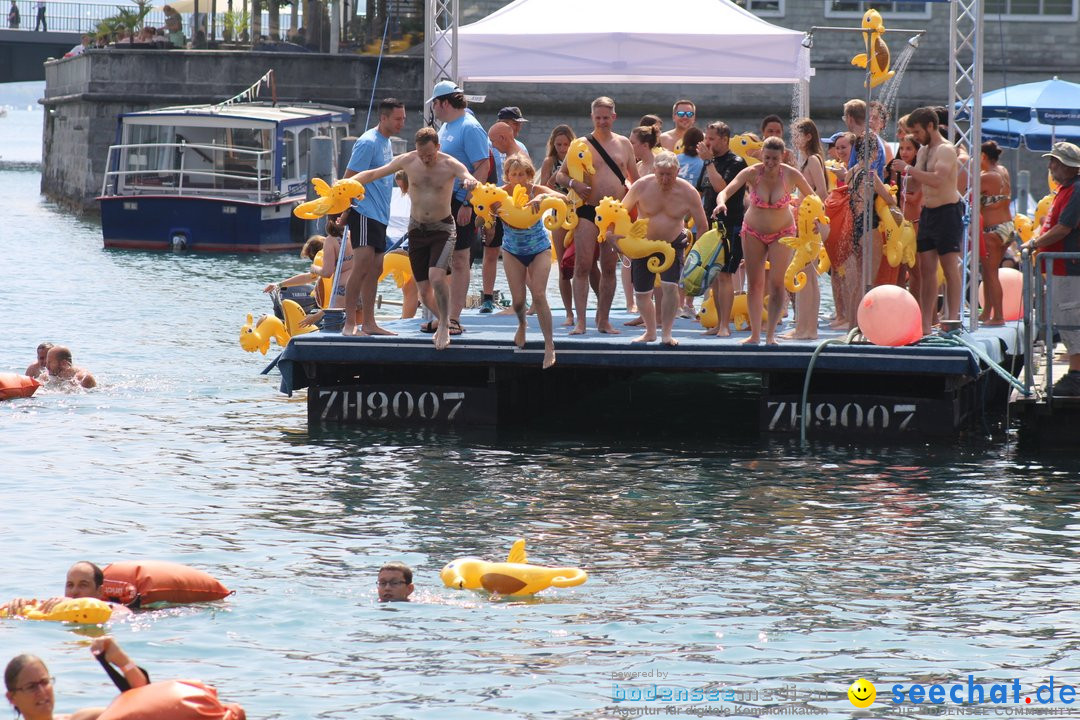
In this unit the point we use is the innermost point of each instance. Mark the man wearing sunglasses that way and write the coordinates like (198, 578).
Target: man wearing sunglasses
(683, 112)
(395, 582)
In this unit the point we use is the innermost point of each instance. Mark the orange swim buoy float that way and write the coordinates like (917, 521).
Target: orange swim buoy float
(13, 385)
(143, 582)
(172, 700)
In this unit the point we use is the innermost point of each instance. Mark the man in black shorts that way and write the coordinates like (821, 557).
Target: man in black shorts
(721, 167)
(432, 175)
(941, 223)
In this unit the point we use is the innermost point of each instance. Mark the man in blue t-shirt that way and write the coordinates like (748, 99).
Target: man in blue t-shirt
(369, 217)
(463, 138)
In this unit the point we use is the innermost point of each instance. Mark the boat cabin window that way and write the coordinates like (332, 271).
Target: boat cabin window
(288, 155)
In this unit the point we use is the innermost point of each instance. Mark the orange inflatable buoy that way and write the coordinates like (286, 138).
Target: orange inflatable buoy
(13, 385)
(172, 700)
(144, 582)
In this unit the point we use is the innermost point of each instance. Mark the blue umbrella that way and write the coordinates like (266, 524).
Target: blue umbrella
(1034, 134)
(1053, 102)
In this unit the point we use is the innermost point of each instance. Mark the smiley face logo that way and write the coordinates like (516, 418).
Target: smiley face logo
(862, 693)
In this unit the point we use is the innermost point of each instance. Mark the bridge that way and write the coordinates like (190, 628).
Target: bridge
(22, 53)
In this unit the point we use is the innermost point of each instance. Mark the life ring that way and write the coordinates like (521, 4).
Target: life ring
(172, 700)
(88, 611)
(13, 385)
(513, 577)
(143, 582)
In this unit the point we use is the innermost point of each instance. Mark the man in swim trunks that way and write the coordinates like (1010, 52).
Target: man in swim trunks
(941, 223)
(432, 176)
(683, 113)
(84, 580)
(463, 138)
(721, 167)
(664, 199)
(395, 582)
(606, 182)
(62, 371)
(38, 366)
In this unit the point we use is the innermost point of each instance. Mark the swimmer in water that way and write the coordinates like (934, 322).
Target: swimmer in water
(62, 371)
(38, 367)
(395, 582)
(84, 580)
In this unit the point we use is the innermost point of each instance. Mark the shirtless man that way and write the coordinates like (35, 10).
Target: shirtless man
(38, 366)
(665, 200)
(61, 370)
(431, 224)
(682, 113)
(941, 223)
(603, 184)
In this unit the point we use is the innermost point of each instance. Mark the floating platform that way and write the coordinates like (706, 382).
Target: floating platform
(913, 393)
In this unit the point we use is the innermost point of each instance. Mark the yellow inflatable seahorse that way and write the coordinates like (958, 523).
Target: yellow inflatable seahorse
(578, 164)
(332, 199)
(256, 336)
(879, 51)
(610, 214)
(899, 237)
(90, 611)
(515, 211)
(742, 145)
(807, 243)
(513, 577)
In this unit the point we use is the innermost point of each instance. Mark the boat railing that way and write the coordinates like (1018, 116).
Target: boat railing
(1039, 323)
(164, 169)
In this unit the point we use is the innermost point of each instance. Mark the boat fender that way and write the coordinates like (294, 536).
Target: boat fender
(142, 582)
(172, 700)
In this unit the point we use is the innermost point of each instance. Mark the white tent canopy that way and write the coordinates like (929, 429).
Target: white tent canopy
(611, 41)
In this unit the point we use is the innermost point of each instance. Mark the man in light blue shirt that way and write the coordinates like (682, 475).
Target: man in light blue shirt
(369, 217)
(463, 138)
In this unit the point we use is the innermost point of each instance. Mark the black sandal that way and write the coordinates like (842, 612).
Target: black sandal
(455, 327)
(429, 327)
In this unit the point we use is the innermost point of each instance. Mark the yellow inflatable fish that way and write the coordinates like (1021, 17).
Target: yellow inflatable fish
(879, 51)
(739, 314)
(333, 199)
(611, 214)
(513, 577)
(396, 264)
(89, 611)
(1025, 228)
(807, 243)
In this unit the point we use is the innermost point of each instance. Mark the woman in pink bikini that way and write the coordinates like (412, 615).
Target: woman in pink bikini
(768, 218)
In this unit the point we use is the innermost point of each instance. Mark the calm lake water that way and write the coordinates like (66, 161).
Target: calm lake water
(738, 565)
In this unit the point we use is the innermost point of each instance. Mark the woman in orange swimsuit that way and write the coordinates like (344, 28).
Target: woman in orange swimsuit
(768, 218)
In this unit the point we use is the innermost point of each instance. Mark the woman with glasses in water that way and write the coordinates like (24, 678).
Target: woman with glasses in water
(30, 687)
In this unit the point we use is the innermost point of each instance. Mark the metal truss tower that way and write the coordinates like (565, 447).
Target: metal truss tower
(440, 45)
(965, 115)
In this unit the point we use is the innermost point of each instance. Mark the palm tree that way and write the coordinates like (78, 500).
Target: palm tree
(132, 20)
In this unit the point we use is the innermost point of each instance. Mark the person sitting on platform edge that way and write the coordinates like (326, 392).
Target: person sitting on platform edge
(84, 580)
(1062, 234)
(432, 176)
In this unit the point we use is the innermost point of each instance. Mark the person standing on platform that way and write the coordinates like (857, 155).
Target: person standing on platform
(512, 116)
(682, 113)
(721, 167)
(13, 18)
(1062, 234)
(941, 223)
(39, 23)
(501, 136)
(614, 163)
(664, 199)
(463, 138)
(433, 177)
(369, 217)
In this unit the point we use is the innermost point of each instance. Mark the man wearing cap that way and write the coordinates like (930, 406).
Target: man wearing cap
(1061, 233)
(370, 216)
(463, 138)
(512, 117)
(941, 222)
